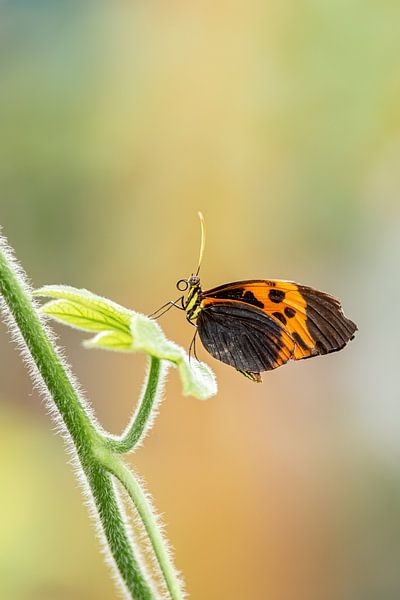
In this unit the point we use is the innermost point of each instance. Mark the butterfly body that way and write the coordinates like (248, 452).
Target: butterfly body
(258, 325)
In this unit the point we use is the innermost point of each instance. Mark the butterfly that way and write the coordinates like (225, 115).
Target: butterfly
(258, 325)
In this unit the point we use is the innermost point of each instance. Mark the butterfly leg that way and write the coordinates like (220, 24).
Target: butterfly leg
(167, 306)
(193, 345)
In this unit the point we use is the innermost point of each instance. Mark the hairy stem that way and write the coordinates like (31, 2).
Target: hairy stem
(114, 530)
(140, 420)
(26, 323)
(143, 507)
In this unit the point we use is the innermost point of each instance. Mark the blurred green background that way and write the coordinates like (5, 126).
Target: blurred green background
(281, 122)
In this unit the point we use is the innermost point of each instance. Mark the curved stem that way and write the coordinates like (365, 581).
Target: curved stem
(114, 526)
(140, 421)
(25, 323)
(115, 466)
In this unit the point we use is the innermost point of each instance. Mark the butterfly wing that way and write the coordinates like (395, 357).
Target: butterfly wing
(314, 319)
(243, 337)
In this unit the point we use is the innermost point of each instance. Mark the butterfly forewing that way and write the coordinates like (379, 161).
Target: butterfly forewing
(314, 320)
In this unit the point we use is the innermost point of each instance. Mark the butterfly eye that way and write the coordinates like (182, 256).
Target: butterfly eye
(182, 285)
(193, 280)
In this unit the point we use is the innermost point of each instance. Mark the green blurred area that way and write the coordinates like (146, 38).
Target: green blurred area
(281, 122)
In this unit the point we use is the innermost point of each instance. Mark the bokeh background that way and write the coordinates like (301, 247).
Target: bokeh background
(281, 122)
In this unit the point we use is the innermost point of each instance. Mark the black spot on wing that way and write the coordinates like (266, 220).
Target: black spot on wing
(280, 317)
(290, 312)
(226, 293)
(250, 298)
(276, 296)
(241, 336)
(238, 293)
(299, 341)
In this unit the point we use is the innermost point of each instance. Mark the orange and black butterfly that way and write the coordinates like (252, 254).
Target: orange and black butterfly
(258, 325)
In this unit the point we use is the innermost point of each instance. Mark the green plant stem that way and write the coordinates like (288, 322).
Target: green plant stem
(141, 416)
(139, 499)
(80, 427)
(114, 530)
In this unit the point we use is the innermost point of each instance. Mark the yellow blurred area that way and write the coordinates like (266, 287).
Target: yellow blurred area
(281, 122)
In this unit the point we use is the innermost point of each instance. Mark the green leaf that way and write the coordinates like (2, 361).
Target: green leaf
(198, 380)
(83, 309)
(111, 340)
(125, 330)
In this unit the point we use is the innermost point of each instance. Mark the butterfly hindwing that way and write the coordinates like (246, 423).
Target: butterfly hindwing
(313, 319)
(242, 336)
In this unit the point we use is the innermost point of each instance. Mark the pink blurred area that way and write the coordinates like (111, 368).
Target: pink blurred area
(281, 123)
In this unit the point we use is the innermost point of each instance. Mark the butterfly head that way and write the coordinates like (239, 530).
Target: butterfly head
(192, 283)
(187, 284)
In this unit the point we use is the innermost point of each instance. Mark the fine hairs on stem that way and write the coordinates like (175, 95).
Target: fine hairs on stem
(96, 454)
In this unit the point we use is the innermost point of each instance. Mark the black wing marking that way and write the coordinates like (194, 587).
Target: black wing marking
(326, 322)
(242, 336)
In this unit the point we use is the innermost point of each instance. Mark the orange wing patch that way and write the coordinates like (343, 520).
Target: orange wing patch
(285, 304)
(314, 319)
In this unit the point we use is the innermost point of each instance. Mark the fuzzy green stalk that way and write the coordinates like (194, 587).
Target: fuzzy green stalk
(94, 454)
(141, 418)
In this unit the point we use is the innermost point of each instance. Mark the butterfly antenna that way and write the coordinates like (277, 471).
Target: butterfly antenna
(203, 240)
